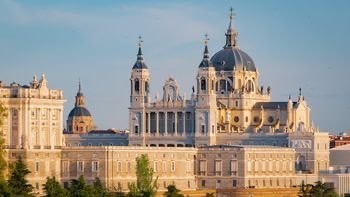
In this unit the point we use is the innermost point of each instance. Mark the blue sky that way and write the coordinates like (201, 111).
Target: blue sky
(293, 43)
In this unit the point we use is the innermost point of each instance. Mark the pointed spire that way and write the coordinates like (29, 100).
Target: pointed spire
(299, 91)
(205, 62)
(139, 54)
(231, 34)
(79, 93)
(79, 86)
(206, 51)
(139, 62)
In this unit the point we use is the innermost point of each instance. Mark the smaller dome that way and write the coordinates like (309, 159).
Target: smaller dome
(79, 111)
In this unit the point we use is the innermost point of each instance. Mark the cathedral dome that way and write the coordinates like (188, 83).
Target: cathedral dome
(79, 111)
(231, 58)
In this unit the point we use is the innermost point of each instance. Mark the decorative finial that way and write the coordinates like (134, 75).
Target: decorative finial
(206, 39)
(232, 14)
(140, 41)
(299, 91)
(79, 86)
(290, 97)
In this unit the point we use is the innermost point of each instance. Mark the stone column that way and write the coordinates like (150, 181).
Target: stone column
(175, 128)
(157, 123)
(149, 122)
(184, 123)
(166, 123)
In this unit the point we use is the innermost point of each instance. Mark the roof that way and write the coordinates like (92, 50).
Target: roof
(109, 131)
(79, 111)
(344, 147)
(231, 58)
(272, 105)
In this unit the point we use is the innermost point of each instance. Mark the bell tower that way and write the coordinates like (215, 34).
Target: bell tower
(206, 100)
(139, 94)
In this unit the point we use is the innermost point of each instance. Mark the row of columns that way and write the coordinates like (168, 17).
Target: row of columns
(148, 117)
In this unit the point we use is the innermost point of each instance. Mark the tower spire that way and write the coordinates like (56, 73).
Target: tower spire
(206, 51)
(205, 62)
(231, 34)
(79, 90)
(139, 54)
(139, 62)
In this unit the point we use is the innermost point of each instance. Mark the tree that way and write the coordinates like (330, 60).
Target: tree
(4, 189)
(173, 192)
(18, 184)
(79, 188)
(53, 188)
(145, 185)
(321, 189)
(3, 163)
(99, 189)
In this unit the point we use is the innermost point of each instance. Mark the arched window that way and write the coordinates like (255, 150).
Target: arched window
(146, 86)
(250, 86)
(203, 84)
(137, 85)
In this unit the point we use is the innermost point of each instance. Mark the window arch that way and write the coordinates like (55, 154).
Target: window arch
(137, 85)
(203, 84)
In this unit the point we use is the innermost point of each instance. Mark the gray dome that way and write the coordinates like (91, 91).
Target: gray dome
(232, 57)
(79, 111)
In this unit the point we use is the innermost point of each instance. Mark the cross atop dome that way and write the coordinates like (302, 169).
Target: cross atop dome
(231, 34)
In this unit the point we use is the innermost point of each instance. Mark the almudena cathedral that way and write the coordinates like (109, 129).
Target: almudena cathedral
(228, 137)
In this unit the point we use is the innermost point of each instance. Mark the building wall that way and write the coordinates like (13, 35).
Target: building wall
(244, 166)
(116, 165)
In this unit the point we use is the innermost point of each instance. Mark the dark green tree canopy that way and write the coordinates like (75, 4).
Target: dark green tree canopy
(18, 184)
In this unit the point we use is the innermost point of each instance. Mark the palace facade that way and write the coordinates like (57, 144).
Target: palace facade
(227, 135)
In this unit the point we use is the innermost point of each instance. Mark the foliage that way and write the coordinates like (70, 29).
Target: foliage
(17, 183)
(318, 190)
(53, 188)
(145, 185)
(209, 195)
(99, 189)
(321, 189)
(79, 188)
(173, 192)
(3, 163)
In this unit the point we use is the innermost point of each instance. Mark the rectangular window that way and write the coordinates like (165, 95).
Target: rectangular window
(249, 166)
(270, 166)
(94, 166)
(155, 166)
(202, 167)
(37, 166)
(203, 183)
(173, 166)
(119, 166)
(218, 167)
(164, 166)
(65, 166)
(234, 183)
(128, 167)
(233, 167)
(256, 166)
(218, 184)
(263, 167)
(80, 166)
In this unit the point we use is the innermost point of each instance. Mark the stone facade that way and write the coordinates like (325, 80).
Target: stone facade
(33, 128)
(115, 166)
(227, 167)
